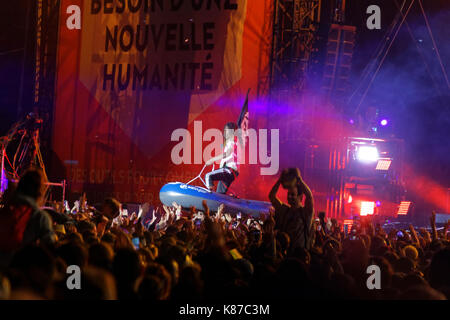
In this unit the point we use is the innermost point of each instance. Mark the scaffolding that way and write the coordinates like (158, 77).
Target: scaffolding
(47, 25)
(294, 27)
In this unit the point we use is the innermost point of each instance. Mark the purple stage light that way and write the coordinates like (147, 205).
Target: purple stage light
(384, 122)
(378, 203)
(351, 121)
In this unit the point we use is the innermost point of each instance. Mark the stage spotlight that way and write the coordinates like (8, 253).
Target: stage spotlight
(367, 154)
(350, 199)
(367, 208)
(378, 203)
(384, 122)
(351, 121)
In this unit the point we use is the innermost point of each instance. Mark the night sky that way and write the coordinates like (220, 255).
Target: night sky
(410, 89)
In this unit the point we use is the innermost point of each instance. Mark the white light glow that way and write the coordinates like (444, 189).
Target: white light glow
(367, 208)
(367, 154)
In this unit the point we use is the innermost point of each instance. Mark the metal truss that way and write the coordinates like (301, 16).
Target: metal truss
(294, 27)
(47, 26)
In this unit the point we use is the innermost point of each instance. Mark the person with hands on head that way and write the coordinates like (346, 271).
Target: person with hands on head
(294, 218)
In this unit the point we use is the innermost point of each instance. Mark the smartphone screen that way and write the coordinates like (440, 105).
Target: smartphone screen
(66, 205)
(135, 242)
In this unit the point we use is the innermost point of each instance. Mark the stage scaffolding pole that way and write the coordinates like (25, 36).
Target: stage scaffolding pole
(295, 23)
(3, 177)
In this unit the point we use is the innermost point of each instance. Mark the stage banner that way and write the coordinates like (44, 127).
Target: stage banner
(137, 70)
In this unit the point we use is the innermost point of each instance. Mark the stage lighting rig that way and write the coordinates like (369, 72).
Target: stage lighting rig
(373, 177)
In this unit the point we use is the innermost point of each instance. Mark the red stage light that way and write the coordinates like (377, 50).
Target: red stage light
(367, 208)
(403, 207)
(383, 164)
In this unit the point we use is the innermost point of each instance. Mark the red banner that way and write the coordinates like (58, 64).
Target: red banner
(138, 70)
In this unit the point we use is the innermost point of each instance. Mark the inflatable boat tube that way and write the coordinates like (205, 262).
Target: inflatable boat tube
(188, 195)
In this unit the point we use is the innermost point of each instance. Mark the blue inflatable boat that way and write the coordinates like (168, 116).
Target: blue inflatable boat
(187, 195)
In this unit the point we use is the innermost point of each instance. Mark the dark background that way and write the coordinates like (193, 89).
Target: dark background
(17, 60)
(410, 89)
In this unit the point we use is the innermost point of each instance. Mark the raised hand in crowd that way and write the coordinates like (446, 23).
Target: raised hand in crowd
(139, 228)
(205, 209)
(122, 240)
(178, 210)
(414, 235)
(191, 212)
(101, 226)
(83, 202)
(445, 230)
(433, 225)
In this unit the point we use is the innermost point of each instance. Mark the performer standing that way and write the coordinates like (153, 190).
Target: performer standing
(229, 164)
(228, 170)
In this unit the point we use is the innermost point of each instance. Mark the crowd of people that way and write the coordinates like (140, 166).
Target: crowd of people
(170, 253)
